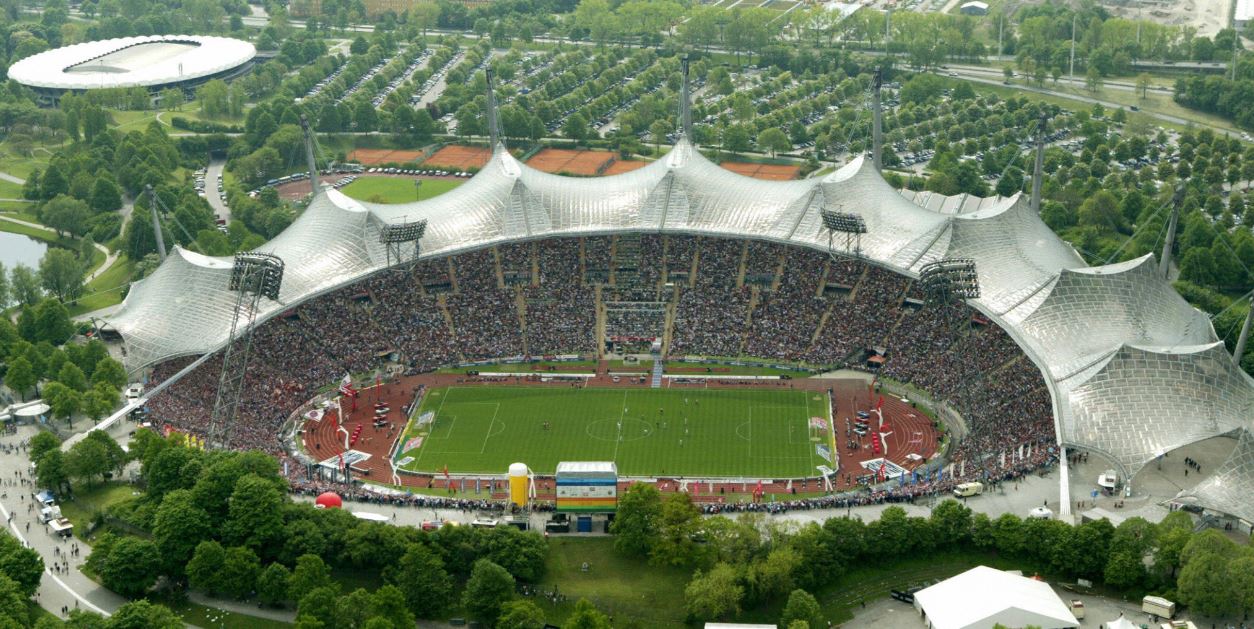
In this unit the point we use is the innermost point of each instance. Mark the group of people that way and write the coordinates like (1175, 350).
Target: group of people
(807, 307)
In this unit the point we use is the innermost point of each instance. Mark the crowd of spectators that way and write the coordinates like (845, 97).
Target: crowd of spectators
(818, 310)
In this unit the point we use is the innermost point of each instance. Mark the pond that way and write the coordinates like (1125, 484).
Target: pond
(18, 249)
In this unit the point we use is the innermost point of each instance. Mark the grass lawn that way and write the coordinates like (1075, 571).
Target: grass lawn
(10, 190)
(201, 616)
(20, 165)
(397, 189)
(88, 501)
(105, 290)
(627, 589)
(699, 433)
(20, 211)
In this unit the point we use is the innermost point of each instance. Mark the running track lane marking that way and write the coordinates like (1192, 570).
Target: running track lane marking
(18, 534)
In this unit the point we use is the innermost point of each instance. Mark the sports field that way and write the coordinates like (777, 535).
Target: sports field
(727, 433)
(397, 189)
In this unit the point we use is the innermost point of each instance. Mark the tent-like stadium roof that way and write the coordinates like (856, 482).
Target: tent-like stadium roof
(1134, 370)
(141, 61)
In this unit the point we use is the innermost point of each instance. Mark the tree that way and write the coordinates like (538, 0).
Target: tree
(773, 140)
(105, 196)
(87, 459)
(489, 588)
(359, 46)
(61, 274)
(20, 376)
(1143, 85)
(637, 519)
(142, 615)
(13, 605)
(25, 285)
(131, 566)
(52, 322)
(205, 566)
(239, 572)
(66, 215)
(736, 138)
(676, 543)
(42, 442)
(4, 287)
(272, 584)
(521, 614)
(23, 565)
(576, 127)
(715, 594)
(1093, 79)
(421, 577)
(179, 526)
(99, 400)
(71, 376)
(310, 574)
(51, 471)
(387, 603)
(109, 371)
(802, 606)
(255, 516)
(587, 616)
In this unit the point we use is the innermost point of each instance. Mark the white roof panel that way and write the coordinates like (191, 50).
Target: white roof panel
(142, 61)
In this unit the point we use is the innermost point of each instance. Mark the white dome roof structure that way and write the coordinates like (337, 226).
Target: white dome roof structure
(149, 61)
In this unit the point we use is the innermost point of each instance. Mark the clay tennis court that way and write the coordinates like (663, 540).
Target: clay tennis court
(571, 162)
(456, 157)
(772, 172)
(371, 157)
(623, 166)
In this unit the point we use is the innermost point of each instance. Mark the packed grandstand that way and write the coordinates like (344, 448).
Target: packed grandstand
(521, 263)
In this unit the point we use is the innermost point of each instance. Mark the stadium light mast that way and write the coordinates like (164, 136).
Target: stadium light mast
(394, 237)
(877, 121)
(1164, 261)
(1038, 166)
(852, 226)
(253, 276)
(156, 221)
(314, 185)
(685, 107)
(494, 133)
(949, 281)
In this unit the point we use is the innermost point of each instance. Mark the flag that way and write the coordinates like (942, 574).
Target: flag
(940, 473)
(446, 477)
(914, 476)
(883, 471)
(346, 386)
(901, 480)
(880, 403)
(757, 491)
(341, 455)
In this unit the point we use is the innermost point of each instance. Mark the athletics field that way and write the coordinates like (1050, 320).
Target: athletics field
(673, 432)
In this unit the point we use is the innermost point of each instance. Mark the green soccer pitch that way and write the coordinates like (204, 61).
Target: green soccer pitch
(737, 433)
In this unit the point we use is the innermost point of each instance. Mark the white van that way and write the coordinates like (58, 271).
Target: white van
(134, 391)
(1158, 606)
(964, 490)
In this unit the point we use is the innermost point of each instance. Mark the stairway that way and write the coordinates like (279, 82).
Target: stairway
(657, 371)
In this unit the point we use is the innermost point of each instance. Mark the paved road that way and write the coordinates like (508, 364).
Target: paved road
(977, 77)
(212, 176)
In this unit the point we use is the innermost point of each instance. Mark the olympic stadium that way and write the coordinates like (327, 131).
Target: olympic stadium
(1107, 360)
(150, 61)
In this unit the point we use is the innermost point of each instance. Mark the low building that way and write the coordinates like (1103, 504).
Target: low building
(983, 597)
(974, 7)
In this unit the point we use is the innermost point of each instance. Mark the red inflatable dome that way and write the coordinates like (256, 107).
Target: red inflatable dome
(329, 500)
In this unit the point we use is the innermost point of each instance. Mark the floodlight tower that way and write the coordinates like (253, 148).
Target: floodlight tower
(852, 226)
(877, 121)
(314, 185)
(253, 276)
(394, 237)
(949, 281)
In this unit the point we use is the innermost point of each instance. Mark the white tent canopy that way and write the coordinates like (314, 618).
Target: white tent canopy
(1120, 623)
(983, 597)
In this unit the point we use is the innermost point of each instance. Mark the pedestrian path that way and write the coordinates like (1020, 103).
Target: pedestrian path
(110, 256)
(657, 373)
